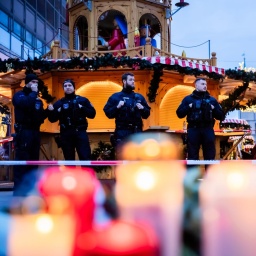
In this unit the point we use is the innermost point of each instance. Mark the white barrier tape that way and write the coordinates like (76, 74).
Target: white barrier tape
(64, 162)
(114, 162)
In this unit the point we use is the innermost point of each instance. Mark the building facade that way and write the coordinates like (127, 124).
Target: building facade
(28, 27)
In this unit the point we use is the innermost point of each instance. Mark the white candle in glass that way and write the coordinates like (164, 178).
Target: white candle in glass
(228, 200)
(152, 192)
(41, 235)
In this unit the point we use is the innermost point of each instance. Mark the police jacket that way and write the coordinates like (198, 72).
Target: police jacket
(28, 109)
(200, 114)
(128, 115)
(69, 114)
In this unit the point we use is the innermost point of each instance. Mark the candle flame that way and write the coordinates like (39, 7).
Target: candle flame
(235, 180)
(69, 183)
(145, 178)
(44, 224)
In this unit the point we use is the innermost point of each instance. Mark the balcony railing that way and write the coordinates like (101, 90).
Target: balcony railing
(141, 51)
(75, 2)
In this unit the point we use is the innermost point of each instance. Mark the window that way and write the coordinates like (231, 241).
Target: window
(39, 45)
(37, 54)
(6, 4)
(32, 2)
(18, 10)
(57, 20)
(64, 44)
(41, 7)
(29, 38)
(16, 45)
(28, 51)
(4, 38)
(47, 49)
(50, 14)
(17, 29)
(4, 19)
(58, 4)
(63, 9)
(49, 35)
(30, 19)
(40, 28)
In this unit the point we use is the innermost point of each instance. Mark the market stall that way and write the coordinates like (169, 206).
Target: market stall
(234, 140)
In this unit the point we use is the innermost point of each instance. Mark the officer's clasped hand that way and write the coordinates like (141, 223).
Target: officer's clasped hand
(139, 106)
(120, 104)
(50, 107)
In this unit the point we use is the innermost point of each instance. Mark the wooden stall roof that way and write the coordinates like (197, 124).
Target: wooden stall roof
(13, 79)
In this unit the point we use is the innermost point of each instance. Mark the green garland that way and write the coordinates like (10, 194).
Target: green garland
(104, 151)
(91, 64)
(233, 101)
(154, 84)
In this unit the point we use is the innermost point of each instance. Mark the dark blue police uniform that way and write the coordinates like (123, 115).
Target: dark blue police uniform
(128, 118)
(29, 115)
(200, 118)
(73, 125)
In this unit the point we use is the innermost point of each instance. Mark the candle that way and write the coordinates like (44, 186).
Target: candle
(228, 196)
(79, 186)
(151, 190)
(76, 184)
(119, 238)
(5, 220)
(41, 234)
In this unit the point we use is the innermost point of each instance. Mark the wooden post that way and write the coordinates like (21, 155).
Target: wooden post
(214, 59)
(148, 47)
(132, 22)
(56, 50)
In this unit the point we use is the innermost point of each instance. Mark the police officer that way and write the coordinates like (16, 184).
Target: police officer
(201, 110)
(128, 108)
(29, 114)
(71, 112)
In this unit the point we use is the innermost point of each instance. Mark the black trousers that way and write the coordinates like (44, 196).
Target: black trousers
(27, 147)
(73, 140)
(201, 136)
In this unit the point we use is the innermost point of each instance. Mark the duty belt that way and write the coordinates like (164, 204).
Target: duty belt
(201, 125)
(73, 127)
(127, 127)
(19, 127)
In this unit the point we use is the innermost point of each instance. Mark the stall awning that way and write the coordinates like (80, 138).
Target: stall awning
(184, 63)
